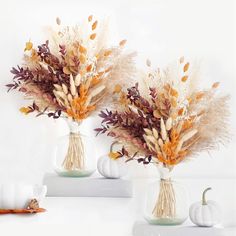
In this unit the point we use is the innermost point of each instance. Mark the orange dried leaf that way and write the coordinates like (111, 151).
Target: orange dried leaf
(117, 88)
(82, 49)
(82, 59)
(107, 53)
(25, 110)
(186, 66)
(199, 95)
(122, 42)
(215, 85)
(173, 102)
(181, 111)
(89, 68)
(94, 25)
(184, 78)
(90, 18)
(66, 70)
(167, 87)
(28, 46)
(92, 36)
(114, 155)
(173, 92)
(95, 80)
(108, 69)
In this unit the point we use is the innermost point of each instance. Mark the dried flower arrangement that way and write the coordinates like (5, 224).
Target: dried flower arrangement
(166, 123)
(71, 75)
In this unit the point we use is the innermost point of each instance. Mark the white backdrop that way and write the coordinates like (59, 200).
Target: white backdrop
(161, 30)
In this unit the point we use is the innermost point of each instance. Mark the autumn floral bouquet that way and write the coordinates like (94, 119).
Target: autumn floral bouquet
(165, 120)
(71, 75)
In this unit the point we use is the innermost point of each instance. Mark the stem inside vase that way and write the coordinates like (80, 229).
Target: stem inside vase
(165, 206)
(75, 156)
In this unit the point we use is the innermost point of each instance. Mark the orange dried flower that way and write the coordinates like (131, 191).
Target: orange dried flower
(28, 46)
(186, 66)
(181, 111)
(82, 59)
(94, 25)
(82, 49)
(215, 85)
(90, 18)
(173, 92)
(122, 42)
(92, 36)
(184, 78)
(107, 53)
(117, 88)
(114, 155)
(25, 110)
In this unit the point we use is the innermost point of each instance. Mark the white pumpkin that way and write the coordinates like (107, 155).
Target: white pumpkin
(111, 167)
(205, 213)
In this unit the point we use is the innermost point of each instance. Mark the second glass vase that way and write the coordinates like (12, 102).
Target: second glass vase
(75, 154)
(166, 202)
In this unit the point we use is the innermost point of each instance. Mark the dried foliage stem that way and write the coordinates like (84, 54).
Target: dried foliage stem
(74, 159)
(165, 206)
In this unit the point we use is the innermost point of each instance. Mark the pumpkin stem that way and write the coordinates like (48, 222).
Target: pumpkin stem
(112, 145)
(204, 202)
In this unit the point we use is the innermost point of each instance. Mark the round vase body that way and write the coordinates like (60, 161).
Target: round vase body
(75, 153)
(166, 203)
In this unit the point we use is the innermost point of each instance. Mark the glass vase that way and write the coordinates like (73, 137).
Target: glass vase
(166, 202)
(75, 153)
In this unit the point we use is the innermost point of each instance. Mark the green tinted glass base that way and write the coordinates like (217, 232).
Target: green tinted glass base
(165, 221)
(74, 173)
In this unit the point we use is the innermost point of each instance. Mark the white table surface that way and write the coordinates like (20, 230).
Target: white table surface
(108, 216)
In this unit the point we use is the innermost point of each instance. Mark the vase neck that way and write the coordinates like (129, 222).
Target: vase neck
(74, 126)
(165, 173)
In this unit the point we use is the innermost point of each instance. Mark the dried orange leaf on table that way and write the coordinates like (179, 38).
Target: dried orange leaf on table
(90, 18)
(122, 42)
(28, 46)
(215, 85)
(186, 66)
(184, 78)
(92, 36)
(94, 25)
(114, 155)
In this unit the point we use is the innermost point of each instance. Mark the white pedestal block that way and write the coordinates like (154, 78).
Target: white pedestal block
(92, 186)
(145, 229)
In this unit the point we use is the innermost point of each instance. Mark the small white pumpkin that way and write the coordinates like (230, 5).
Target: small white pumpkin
(205, 213)
(111, 167)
